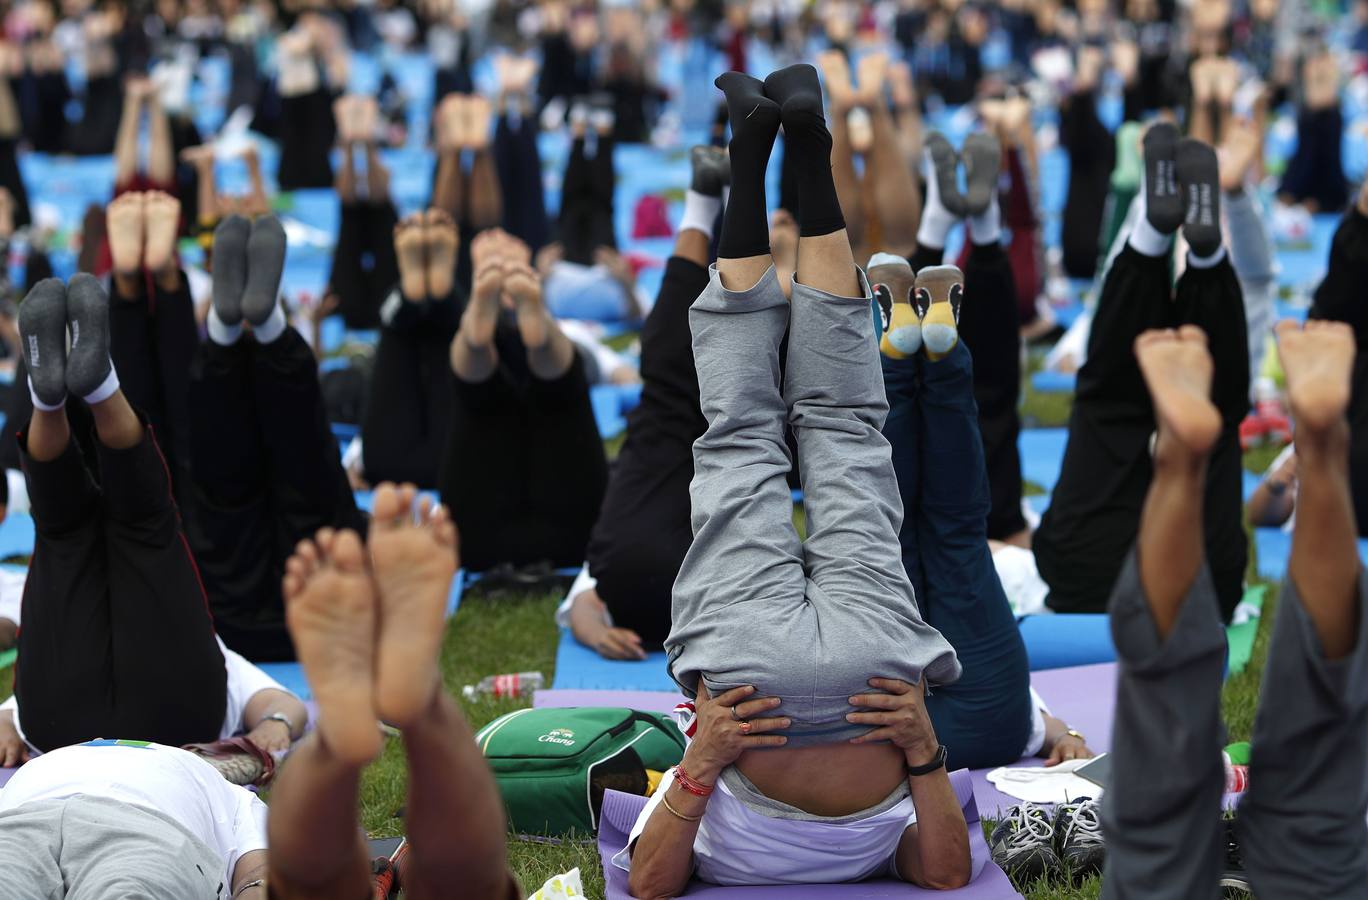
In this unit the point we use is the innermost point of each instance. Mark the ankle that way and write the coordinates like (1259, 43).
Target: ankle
(1174, 460)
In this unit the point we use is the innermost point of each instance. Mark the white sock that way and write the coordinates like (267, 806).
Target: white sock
(105, 390)
(221, 334)
(1206, 262)
(1144, 237)
(700, 212)
(936, 220)
(273, 327)
(39, 404)
(986, 228)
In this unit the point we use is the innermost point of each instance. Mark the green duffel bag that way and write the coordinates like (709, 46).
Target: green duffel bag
(553, 765)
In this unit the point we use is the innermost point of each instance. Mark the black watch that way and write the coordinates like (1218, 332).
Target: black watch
(937, 762)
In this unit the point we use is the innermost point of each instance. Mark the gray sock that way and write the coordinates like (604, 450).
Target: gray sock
(89, 372)
(265, 262)
(230, 268)
(42, 332)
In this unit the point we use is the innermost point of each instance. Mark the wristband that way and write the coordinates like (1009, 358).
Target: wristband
(665, 798)
(697, 788)
(260, 882)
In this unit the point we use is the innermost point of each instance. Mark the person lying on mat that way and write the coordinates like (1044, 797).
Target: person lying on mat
(813, 759)
(129, 819)
(1300, 826)
(117, 637)
(367, 621)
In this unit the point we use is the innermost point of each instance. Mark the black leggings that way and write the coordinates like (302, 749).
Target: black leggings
(267, 473)
(364, 266)
(117, 640)
(524, 470)
(1094, 515)
(1316, 170)
(1340, 298)
(643, 531)
(989, 328)
(1092, 156)
(307, 132)
(518, 161)
(42, 100)
(586, 213)
(408, 407)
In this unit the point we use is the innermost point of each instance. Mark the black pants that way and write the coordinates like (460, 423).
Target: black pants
(1316, 170)
(307, 132)
(407, 419)
(1092, 156)
(267, 473)
(644, 530)
(989, 328)
(42, 100)
(524, 471)
(1340, 298)
(519, 163)
(95, 134)
(364, 266)
(1094, 515)
(117, 640)
(586, 214)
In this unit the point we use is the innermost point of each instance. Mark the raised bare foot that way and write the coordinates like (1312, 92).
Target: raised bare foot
(478, 114)
(330, 610)
(1319, 362)
(523, 285)
(441, 240)
(162, 222)
(413, 558)
(124, 221)
(481, 314)
(448, 121)
(1238, 152)
(873, 71)
(1177, 368)
(366, 120)
(836, 79)
(409, 248)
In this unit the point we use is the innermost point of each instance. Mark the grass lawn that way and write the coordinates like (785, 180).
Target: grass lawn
(503, 631)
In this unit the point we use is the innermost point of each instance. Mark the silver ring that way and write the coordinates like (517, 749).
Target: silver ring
(735, 717)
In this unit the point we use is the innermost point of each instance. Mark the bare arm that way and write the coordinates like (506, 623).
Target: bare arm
(9, 633)
(250, 867)
(13, 751)
(1060, 745)
(271, 734)
(1274, 500)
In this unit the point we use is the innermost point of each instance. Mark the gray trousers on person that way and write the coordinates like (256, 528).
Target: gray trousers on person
(1301, 826)
(96, 848)
(810, 622)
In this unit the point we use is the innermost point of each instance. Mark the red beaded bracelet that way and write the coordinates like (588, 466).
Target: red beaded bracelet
(697, 788)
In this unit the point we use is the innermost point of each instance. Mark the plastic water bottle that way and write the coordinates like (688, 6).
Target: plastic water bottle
(1236, 776)
(517, 684)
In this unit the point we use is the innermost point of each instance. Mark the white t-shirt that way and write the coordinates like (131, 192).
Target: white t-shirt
(226, 818)
(245, 681)
(736, 845)
(11, 593)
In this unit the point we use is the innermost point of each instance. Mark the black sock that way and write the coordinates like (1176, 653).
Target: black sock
(799, 95)
(1163, 202)
(1199, 173)
(754, 124)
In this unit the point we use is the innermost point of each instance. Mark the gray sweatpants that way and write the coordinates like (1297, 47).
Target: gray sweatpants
(810, 622)
(1302, 822)
(95, 848)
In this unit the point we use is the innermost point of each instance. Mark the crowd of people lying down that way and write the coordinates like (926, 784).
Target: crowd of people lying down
(171, 434)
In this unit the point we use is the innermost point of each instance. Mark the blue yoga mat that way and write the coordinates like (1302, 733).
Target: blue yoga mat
(1042, 454)
(291, 674)
(16, 535)
(580, 668)
(1057, 641)
(1274, 548)
(1047, 382)
(365, 500)
(612, 403)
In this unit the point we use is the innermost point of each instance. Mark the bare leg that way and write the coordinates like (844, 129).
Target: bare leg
(116, 425)
(1325, 565)
(346, 173)
(896, 201)
(440, 241)
(836, 75)
(549, 351)
(485, 198)
(126, 141)
(49, 434)
(448, 189)
(377, 176)
(473, 357)
(202, 158)
(161, 152)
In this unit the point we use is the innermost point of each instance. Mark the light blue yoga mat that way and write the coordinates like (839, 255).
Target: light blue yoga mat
(582, 669)
(1274, 549)
(290, 675)
(612, 403)
(1048, 382)
(16, 535)
(1042, 454)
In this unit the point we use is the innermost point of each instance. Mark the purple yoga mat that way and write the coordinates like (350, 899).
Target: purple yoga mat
(1083, 696)
(6, 775)
(620, 812)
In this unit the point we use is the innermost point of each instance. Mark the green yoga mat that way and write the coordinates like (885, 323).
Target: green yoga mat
(1241, 637)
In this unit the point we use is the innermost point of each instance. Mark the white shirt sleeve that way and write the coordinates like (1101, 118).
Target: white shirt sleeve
(1036, 742)
(249, 828)
(11, 594)
(245, 681)
(583, 582)
(623, 859)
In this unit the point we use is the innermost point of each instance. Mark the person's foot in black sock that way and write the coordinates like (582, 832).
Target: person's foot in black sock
(1163, 202)
(754, 123)
(1199, 174)
(43, 335)
(711, 170)
(799, 94)
(945, 170)
(88, 366)
(266, 255)
(230, 268)
(982, 157)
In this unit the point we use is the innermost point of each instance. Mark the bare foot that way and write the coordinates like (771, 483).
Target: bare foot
(446, 121)
(478, 114)
(413, 559)
(124, 222)
(836, 79)
(1320, 77)
(441, 240)
(1177, 368)
(481, 314)
(1238, 152)
(1319, 362)
(330, 610)
(900, 83)
(365, 120)
(873, 71)
(523, 285)
(408, 246)
(162, 222)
